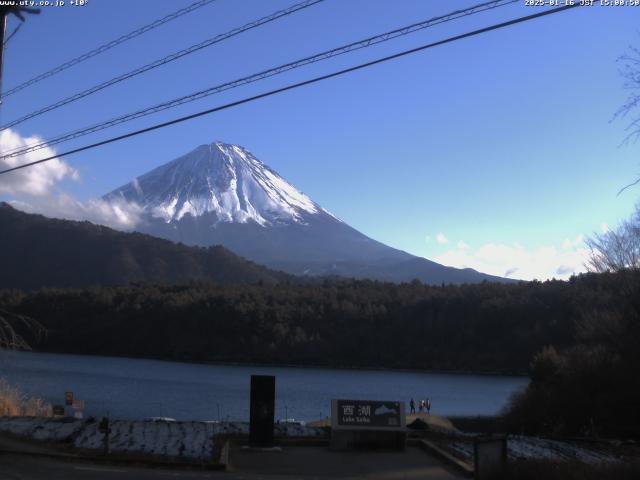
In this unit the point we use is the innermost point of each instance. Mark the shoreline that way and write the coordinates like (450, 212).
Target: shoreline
(298, 366)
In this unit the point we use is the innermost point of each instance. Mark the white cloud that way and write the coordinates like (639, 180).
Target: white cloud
(516, 261)
(604, 227)
(36, 189)
(462, 246)
(118, 214)
(569, 244)
(33, 181)
(441, 239)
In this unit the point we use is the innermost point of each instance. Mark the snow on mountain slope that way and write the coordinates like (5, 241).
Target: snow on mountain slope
(221, 194)
(223, 179)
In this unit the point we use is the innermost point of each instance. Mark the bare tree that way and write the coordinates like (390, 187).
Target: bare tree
(10, 326)
(617, 249)
(630, 72)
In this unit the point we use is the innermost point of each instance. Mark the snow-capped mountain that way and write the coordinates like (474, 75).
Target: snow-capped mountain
(225, 180)
(222, 194)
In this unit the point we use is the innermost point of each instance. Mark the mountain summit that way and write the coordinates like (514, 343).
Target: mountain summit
(220, 179)
(222, 194)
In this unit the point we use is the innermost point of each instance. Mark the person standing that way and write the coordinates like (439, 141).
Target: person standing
(428, 405)
(412, 406)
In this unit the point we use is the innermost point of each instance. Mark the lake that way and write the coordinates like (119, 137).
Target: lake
(138, 388)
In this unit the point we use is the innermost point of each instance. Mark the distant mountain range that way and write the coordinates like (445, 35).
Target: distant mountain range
(222, 194)
(36, 251)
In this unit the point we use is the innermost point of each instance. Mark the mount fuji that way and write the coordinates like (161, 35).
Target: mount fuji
(222, 194)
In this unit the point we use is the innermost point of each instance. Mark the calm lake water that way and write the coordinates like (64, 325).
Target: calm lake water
(133, 388)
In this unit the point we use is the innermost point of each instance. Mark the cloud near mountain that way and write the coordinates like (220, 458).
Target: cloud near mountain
(516, 261)
(41, 188)
(35, 181)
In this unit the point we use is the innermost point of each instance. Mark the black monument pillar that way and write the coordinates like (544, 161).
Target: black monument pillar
(263, 392)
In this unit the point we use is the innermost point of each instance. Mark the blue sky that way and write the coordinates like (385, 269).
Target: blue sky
(496, 152)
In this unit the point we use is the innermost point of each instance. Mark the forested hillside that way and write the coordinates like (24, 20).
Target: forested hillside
(36, 251)
(483, 327)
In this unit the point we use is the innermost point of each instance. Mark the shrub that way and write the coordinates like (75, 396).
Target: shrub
(14, 403)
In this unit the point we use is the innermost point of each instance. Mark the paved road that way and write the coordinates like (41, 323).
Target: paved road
(307, 463)
(320, 462)
(24, 467)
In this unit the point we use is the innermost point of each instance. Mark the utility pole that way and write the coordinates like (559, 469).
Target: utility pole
(3, 28)
(4, 13)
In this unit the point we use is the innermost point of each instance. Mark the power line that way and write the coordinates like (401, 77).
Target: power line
(260, 76)
(108, 46)
(297, 85)
(163, 61)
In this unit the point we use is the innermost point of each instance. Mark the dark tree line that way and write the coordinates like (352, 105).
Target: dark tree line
(592, 386)
(483, 327)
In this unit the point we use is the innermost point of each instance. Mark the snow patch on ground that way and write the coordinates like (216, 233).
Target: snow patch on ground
(189, 440)
(521, 447)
